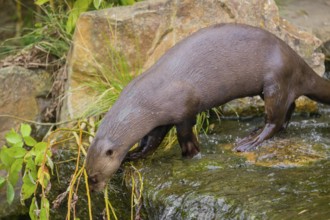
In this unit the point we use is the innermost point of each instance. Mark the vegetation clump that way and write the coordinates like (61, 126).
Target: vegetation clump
(23, 154)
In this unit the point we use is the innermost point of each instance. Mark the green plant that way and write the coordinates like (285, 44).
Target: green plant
(76, 7)
(51, 29)
(83, 130)
(47, 43)
(107, 83)
(24, 155)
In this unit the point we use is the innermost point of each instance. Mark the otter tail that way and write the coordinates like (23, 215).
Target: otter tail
(318, 87)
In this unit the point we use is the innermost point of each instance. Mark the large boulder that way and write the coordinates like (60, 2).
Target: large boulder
(143, 32)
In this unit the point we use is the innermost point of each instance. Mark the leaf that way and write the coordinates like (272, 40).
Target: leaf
(32, 178)
(31, 167)
(13, 178)
(5, 157)
(12, 137)
(50, 163)
(44, 209)
(16, 167)
(27, 191)
(10, 193)
(15, 170)
(40, 147)
(2, 180)
(29, 154)
(39, 150)
(29, 141)
(127, 2)
(17, 152)
(18, 144)
(28, 186)
(49, 153)
(25, 130)
(39, 159)
(43, 176)
(41, 2)
(78, 7)
(33, 209)
(97, 3)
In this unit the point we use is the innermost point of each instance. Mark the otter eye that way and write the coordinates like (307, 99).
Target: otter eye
(109, 152)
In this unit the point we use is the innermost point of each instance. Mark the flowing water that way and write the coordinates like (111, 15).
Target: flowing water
(288, 177)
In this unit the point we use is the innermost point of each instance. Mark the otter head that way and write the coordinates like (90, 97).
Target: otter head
(103, 160)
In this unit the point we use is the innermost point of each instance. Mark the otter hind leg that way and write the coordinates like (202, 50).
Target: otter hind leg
(288, 115)
(149, 143)
(187, 139)
(278, 113)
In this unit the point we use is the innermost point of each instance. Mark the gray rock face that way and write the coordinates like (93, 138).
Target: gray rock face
(143, 32)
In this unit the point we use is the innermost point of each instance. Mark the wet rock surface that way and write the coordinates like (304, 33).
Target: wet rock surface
(285, 178)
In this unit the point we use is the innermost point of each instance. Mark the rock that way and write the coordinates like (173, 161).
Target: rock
(226, 187)
(286, 152)
(23, 93)
(281, 178)
(143, 32)
(311, 16)
(326, 50)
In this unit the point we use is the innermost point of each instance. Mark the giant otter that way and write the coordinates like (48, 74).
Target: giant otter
(207, 69)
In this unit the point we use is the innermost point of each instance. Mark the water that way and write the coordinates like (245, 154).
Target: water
(288, 177)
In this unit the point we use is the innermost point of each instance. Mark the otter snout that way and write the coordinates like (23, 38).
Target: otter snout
(92, 180)
(95, 184)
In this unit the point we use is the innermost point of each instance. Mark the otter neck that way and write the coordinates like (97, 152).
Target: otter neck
(126, 125)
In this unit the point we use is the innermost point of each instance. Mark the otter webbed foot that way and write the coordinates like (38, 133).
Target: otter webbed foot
(189, 148)
(253, 140)
(187, 139)
(247, 145)
(134, 156)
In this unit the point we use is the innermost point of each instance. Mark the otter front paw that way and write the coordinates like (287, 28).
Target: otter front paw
(134, 156)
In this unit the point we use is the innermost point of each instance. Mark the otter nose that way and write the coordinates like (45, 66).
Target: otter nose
(92, 180)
